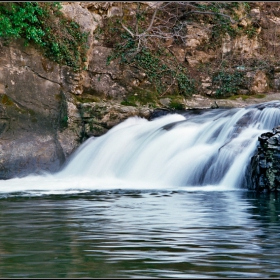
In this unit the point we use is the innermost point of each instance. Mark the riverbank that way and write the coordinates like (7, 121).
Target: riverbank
(238, 101)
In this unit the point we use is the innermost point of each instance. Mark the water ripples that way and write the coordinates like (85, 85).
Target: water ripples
(140, 233)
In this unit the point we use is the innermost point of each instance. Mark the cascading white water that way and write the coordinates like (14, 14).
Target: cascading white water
(206, 151)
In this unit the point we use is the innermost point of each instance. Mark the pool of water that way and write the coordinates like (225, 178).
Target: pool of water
(140, 233)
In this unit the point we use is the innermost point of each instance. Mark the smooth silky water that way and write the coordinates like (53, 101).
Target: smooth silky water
(165, 198)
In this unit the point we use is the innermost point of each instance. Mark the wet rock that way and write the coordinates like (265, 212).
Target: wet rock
(265, 164)
(159, 113)
(99, 117)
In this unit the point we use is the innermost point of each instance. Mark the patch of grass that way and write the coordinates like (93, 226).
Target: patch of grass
(259, 95)
(242, 96)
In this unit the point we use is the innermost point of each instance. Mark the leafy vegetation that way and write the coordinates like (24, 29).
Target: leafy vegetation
(42, 23)
(161, 67)
(226, 83)
(140, 40)
(221, 23)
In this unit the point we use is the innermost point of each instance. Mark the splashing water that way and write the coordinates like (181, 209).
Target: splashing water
(209, 151)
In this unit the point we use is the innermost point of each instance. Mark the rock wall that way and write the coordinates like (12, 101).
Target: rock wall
(34, 109)
(113, 81)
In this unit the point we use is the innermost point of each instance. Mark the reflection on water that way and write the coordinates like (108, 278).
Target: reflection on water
(122, 233)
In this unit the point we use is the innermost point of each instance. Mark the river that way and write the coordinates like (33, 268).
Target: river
(163, 198)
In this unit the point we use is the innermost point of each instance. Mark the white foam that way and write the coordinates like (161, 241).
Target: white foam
(208, 152)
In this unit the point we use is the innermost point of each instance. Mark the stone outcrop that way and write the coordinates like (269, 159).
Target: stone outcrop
(37, 115)
(99, 117)
(265, 164)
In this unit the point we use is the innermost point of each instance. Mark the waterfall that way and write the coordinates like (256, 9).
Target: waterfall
(210, 150)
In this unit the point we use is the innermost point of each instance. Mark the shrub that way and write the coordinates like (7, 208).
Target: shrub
(227, 83)
(41, 23)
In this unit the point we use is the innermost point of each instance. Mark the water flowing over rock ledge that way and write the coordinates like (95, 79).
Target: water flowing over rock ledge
(43, 119)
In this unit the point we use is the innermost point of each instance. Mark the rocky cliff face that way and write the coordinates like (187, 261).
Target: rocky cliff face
(254, 52)
(34, 109)
(47, 110)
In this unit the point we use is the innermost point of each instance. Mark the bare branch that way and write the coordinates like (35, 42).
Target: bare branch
(168, 21)
(152, 21)
(129, 31)
(173, 81)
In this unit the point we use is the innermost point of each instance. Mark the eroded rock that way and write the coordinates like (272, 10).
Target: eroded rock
(99, 117)
(260, 83)
(32, 108)
(265, 164)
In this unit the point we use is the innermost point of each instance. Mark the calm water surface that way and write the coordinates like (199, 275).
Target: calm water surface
(132, 234)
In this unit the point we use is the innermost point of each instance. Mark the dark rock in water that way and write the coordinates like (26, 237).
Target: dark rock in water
(271, 104)
(171, 125)
(159, 113)
(265, 164)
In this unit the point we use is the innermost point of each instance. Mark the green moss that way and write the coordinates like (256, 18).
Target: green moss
(87, 99)
(6, 100)
(129, 102)
(140, 97)
(176, 102)
(63, 122)
(177, 105)
(31, 112)
(242, 96)
(259, 95)
(58, 97)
